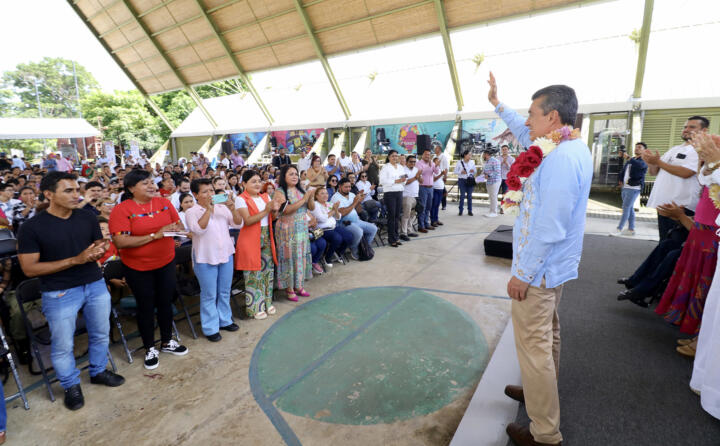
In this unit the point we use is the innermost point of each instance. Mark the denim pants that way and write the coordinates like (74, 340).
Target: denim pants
(425, 198)
(215, 282)
(658, 266)
(465, 190)
(628, 202)
(61, 310)
(437, 195)
(339, 239)
(358, 229)
(317, 248)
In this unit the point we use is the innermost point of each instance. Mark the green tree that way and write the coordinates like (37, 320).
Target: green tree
(124, 117)
(55, 88)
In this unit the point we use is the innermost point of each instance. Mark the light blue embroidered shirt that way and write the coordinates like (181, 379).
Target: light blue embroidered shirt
(548, 232)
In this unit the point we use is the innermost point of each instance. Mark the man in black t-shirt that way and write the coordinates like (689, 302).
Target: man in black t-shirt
(61, 246)
(282, 159)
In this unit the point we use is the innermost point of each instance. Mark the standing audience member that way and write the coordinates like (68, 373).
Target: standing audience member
(410, 194)
(213, 251)
(255, 249)
(464, 169)
(61, 246)
(305, 161)
(506, 161)
(676, 170)
(428, 170)
(632, 181)
(372, 168)
(317, 175)
(148, 257)
(349, 202)
(291, 233)
(392, 179)
(7, 202)
(333, 168)
(26, 209)
(492, 174)
(445, 168)
(438, 189)
(356, 165)
(282, 159)
(186, 202)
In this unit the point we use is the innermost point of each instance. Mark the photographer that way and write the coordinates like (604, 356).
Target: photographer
(632, 181)
(93, 193)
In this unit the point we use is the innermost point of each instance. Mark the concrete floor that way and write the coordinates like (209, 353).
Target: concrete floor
(206, 397)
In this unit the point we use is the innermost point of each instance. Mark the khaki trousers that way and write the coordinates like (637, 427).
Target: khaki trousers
(408, 210)
(537, 341)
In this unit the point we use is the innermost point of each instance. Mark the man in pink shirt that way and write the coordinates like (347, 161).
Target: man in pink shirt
(427, 170)
(213, 251)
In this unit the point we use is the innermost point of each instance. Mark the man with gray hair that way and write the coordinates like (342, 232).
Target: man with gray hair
(547, 244)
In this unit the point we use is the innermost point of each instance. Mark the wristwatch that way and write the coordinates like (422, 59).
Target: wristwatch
(152, 236)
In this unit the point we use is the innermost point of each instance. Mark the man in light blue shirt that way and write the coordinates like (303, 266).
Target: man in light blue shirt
(547, 243)
(359, 228)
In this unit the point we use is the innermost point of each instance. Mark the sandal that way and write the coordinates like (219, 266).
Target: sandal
(271, 310)
(261, 315)
(302, 292)
(292, 296)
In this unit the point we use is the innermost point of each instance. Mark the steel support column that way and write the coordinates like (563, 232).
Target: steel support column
(642, 48)
(139, 87)
(159, 49)
(449, 53)
(323, 60)
(241, 73)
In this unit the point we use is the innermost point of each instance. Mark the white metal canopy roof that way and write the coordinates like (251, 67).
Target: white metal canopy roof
(41, 128)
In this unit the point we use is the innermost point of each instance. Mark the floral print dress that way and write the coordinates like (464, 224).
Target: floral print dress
(292, 244)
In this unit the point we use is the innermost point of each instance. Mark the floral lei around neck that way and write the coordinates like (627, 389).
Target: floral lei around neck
(526, 164)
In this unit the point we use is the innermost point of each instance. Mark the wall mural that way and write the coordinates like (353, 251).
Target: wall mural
(403, 137)
(293, 140)
(477, 133)
(244, 143)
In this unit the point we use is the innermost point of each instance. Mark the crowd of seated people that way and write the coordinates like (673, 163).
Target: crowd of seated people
(274, 225)
(680, 270)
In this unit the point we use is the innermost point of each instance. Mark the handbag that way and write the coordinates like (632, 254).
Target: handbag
(469, 181)
(316, 233)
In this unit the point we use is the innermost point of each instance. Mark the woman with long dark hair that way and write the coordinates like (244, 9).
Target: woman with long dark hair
(137, 225)
(291, 234)
(392, 179)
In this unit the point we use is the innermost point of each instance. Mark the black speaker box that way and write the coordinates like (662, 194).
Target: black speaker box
(227, 147)
(423, 143)
(499, 242)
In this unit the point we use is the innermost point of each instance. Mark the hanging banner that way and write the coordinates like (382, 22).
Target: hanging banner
(245, 143)
(293, 140)
(403, 137)
(478, 134)
(135, 150)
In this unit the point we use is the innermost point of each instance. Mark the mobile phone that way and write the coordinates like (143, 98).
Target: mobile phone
(219, 198)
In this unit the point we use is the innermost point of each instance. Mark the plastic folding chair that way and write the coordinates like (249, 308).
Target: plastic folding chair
(5, 351)
(186, 283)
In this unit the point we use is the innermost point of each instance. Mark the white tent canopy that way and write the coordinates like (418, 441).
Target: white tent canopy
(45, 128)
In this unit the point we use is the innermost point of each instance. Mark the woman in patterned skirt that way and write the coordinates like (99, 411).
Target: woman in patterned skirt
(255, 248)
(291, 234)
(684, 298)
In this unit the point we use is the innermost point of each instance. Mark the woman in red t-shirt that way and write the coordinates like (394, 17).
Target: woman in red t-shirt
(137, 225)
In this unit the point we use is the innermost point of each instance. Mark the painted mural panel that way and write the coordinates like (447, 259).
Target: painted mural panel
(293, 140)
(478, 133)
(403, 137)
(244, 143)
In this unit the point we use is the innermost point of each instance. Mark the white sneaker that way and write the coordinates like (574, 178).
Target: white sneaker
(151, 358)
(615, 234)
(174, 348)
(491, 215)
(628, 232)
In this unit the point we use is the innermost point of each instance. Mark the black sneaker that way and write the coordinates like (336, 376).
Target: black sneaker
(74, 399)
(231, 327)
(214, 337)
(404, 238)
(174, 348)
(470, 213)
(108, 378)
(152, 358)
(413, 234)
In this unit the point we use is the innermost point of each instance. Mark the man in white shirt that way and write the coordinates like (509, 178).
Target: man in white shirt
(444, 167)
(17, 162)
(7, 202)
(183, 188)
(410, 194)
(303, 163)
(676, 174)
(348, 210)
(345, 162)
(224, 160)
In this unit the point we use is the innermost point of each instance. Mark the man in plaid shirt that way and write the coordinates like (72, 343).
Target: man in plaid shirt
(493, 178)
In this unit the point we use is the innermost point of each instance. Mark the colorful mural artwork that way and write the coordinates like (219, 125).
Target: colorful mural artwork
(293, 140)
(478, 132)
(403, 137)
(244, 143)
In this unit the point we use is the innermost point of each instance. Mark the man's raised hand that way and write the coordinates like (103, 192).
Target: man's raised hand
(492, 93)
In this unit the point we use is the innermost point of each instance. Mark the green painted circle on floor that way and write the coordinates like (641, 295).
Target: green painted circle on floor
(372, 355)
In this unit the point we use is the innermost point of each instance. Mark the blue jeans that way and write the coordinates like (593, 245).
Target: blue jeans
(628, 201)
(61, 310)
(215, 282)
(436, 200)
(317, 248)
(465, 190)
(339, 238)
(357, 229)
(425, 197)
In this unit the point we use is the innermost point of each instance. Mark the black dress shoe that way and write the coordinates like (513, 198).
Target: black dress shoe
(108, 378)
(231, 327)
(470, 214)
(627, 295)
(394, 244)
(439, 223)
(405, 238)
(460, 213)
(214, 337)
(74, 398)
(412, 234)
(622, 281)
